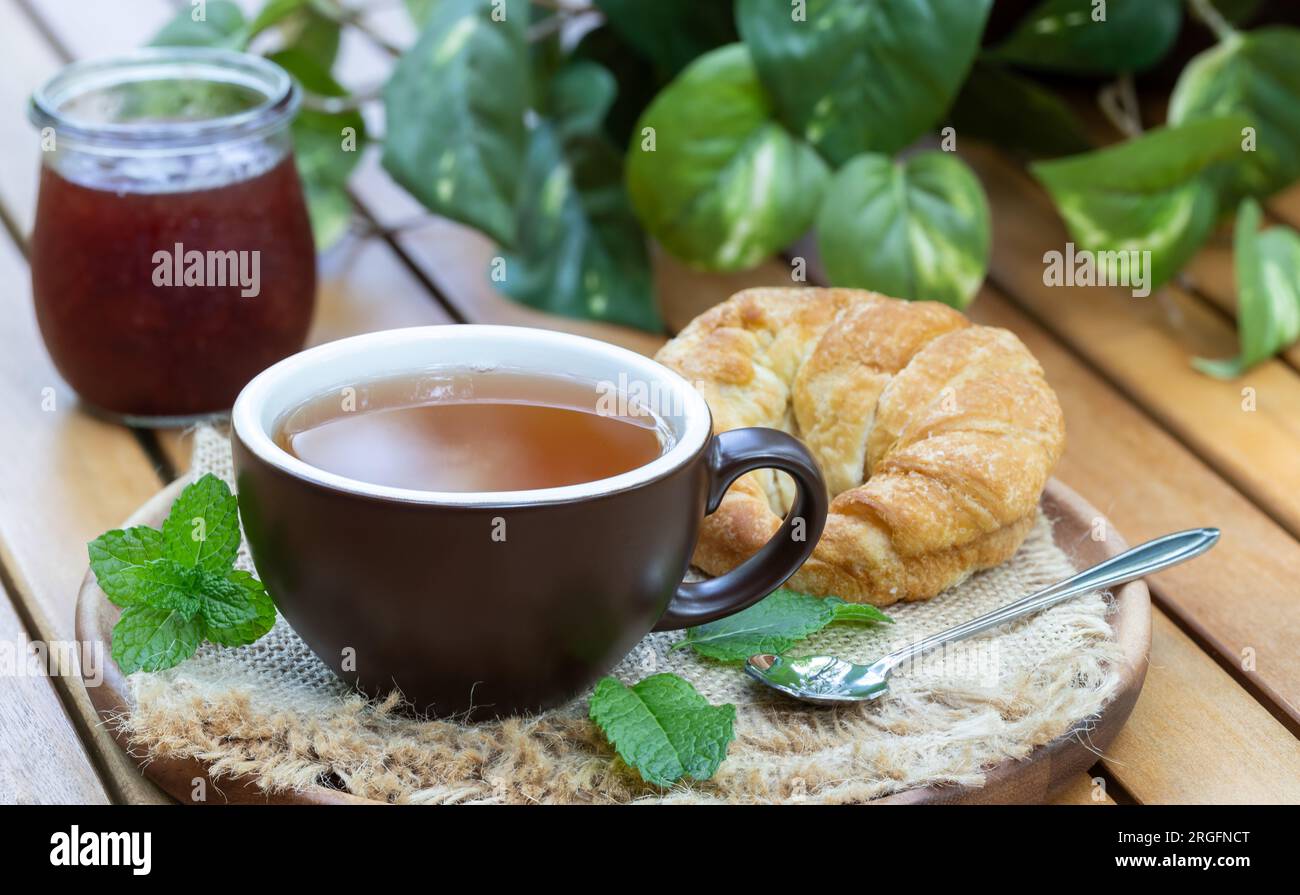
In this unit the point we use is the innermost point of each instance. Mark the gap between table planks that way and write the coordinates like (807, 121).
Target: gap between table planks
(431, 250)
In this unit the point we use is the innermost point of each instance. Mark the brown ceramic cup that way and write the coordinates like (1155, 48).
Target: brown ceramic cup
(394, 588)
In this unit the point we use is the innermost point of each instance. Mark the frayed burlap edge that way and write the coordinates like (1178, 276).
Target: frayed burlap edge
(288, 727)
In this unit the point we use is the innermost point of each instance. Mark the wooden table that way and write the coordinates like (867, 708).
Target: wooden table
(1155, 445)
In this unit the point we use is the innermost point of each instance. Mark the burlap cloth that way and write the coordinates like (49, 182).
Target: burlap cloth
(274, 712)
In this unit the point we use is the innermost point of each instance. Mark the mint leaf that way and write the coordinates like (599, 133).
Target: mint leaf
(166, 584)
(663, 727)
(237, 611)
(177, 586)
(202, 529)
(118, 558)
(150, 638)
(773, 625)
(857, 612)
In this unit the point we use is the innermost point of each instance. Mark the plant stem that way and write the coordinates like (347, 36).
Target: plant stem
(1211, 18)
(1119, 103)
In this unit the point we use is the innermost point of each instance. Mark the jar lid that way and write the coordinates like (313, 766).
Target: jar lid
(166, 98)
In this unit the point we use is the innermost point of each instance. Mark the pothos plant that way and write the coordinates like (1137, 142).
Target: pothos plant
(575, 132)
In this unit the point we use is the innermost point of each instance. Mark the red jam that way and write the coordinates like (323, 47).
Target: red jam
(172, 256)
(139, 349)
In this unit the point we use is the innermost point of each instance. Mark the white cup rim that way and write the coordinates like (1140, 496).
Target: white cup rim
(291, 382)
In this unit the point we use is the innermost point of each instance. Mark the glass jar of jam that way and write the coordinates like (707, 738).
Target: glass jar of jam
(172, 256)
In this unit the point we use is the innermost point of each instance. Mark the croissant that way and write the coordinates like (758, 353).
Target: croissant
(935, 436)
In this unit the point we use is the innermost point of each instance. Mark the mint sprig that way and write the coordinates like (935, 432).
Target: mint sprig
(178, 587)
(774, 625)
(663, 728)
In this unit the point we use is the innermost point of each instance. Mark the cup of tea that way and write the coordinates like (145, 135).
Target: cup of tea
(487, 518)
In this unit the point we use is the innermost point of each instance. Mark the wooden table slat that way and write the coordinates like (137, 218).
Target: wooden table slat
(28, 63)
(1242, 596)
(1195, 736)
(1144, 347)
(1083, 790)
(42, 759)
(65, 477)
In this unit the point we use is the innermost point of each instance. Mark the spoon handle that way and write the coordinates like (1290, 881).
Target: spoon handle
(1140, 560)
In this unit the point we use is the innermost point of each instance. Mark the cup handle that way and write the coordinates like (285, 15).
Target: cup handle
(732, 454)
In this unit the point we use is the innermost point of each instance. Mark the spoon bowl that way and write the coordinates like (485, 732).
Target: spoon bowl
(823, 679)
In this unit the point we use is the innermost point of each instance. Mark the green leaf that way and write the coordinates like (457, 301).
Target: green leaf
(1084, 37)
(202, 529)
(770, 626)
(1150, 193)
(917, 229)
(455, 110)
(724, 185)
(421, 11)
(118, 559)
(327, 146)
(272, 13)
(857, 612)
(177, 585)
(1267, 267)
(330, 211)
(773, 625)
(150, 638)
(580, 251)
(580, 96)
(1255, 75)
(863, 75)
(1016, 113)
(663, 727)
(312, 74)
(236, 610)
(222, 25)
(302, 25)
(168, 584)
(671, 33)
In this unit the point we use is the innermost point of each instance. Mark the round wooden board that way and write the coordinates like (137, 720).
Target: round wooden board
(1036, 779)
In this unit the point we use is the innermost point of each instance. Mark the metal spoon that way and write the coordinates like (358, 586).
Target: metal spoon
(826, 679)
